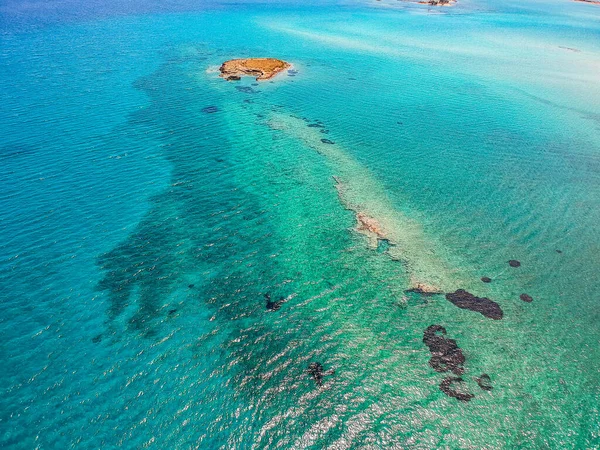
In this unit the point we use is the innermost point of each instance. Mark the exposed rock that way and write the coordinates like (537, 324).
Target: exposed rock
(437, 2)
(261, 68)
(514, 263)
(445, 352)
(483, 305)
(526, 298)
(571, 49)
(484, 382)
(316, 371)
(486, 279)
(446, 388)
(366, 223)
(593, 2)
(424, 289)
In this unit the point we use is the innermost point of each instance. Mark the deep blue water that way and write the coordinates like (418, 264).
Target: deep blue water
(139, 233)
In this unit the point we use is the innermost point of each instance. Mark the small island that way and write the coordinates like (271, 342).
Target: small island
(438, 2)
(261, 68)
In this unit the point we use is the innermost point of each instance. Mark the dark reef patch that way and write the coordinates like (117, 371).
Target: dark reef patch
(483, 305)
(486, 279)
(327, 141)
(172, 311)
(446, 386)
(514, 263)
(315, 369)
(97, 339)
(446, 355)
(315, 125)
(526, 298)
(484, 382)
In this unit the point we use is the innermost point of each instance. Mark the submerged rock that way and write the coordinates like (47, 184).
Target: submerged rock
(514, 263)
(486, 279)
(97, 339)
(246, 89)
(327, 141)
(274, 305)
(526, 298)
(383, 245)
(446, 355)
(446, 388)
(315, 369)
(210, 109)
(484, 382)
(483, 305)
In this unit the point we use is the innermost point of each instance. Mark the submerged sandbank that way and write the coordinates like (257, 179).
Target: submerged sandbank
(377, 218)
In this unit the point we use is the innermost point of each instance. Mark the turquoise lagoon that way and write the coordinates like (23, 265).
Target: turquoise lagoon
(140, 233)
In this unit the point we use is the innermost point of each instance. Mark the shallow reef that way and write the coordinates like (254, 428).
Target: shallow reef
(483, 305)
(446, 355)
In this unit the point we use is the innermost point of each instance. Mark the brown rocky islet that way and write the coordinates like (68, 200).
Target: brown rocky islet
(261, 68)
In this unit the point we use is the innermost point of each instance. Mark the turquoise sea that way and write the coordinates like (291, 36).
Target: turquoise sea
(148, 207)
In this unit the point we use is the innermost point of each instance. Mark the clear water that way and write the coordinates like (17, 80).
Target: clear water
(139, 234)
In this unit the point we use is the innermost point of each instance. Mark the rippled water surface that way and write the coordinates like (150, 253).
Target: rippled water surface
(148, 208)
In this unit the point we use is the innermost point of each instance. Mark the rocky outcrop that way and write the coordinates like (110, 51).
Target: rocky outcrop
(261, 68)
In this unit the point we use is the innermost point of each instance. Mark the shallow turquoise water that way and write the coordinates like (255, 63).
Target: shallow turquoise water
(141, 233)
